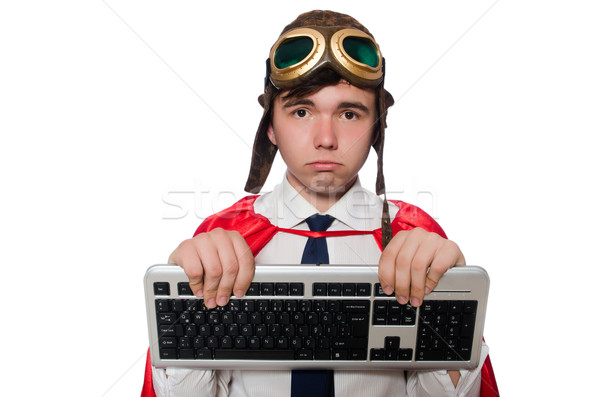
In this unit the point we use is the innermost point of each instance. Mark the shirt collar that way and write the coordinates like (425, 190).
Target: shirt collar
(357, 209)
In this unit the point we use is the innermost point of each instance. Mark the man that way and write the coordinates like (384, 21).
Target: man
(324, 107)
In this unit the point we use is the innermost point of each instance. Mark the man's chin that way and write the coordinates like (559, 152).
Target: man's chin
(327, 185)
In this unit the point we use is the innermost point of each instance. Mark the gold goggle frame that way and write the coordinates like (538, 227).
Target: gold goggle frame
(333, 55)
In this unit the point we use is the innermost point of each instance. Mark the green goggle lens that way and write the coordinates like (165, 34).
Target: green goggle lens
(361, 50)
(292, 51)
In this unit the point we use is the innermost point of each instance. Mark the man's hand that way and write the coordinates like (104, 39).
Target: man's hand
(216, 263)
(414, 261)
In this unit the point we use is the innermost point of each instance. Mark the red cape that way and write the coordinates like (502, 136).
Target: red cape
(257, 230)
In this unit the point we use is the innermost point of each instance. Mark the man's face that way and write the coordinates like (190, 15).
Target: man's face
(324, 138)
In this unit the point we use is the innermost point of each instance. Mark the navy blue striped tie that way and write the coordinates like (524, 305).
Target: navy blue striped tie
(314, 383)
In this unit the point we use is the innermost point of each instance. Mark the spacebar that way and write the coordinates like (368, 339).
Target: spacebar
(235, 354)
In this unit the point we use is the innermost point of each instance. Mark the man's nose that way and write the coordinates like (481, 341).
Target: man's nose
(325, 135)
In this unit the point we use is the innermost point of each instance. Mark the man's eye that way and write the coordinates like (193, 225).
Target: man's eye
(300, 113)
(349, 115)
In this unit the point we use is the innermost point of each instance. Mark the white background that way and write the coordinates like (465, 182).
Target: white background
(124, 123)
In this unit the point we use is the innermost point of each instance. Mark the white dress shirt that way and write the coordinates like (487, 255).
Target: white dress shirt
(358, 209)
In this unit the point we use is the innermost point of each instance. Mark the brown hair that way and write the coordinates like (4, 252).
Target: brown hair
(323, 78)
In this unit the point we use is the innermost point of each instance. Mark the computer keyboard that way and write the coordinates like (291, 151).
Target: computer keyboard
(328, 316)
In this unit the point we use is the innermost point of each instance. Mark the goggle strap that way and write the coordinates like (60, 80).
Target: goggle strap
(268, 75)
(386, 228)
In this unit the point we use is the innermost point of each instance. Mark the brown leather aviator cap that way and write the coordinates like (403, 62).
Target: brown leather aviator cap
(314, 41)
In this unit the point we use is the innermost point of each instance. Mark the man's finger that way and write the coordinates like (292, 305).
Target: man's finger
(387, 263)
(229, 271)
(448, 256)
(245, 266)
(185, 257)
(211, 263)
(404, 260)
(418, 274)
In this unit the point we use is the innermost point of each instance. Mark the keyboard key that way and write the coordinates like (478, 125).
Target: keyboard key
(379, 319)
(260, 330)
(198, 342)
(349, 343)
(274, 330)
(253, 289)
(363, 289)
(391, 354)
(430, 355)
(305, 305)
(248, 305)
(333, 306)
(184, 289)
(226, 342)
(320, 289)
(380, 306)
(254, 342)
(234, 305)
(166, 330)
(168, 342)
(177, 305)
(334, 289)
(349, 289)
(356, 306)
(282, 289)
(379, 291)
(163, 305)
(218, 329)
(191, 330)
(270, 318)
(392, 342)
(291, 305)
(298, 318)
(320, 305)
(409, 315)
(405, 354)
(377, 354)
(296, 289)
(204, 354)
(239, 342)
(284, 318)
(311, 318)
(468, 325)
(358, 354)
(267, 289)
(162, 288)
(240, 354)
(305, 354)
(394, 307)
(359, 323)
(247, 330)
(212, 341)
(394, 319)
(281, 342)
(322, 354)
(168, 354)
(186, 354)
(470, 307)
(326, 318)
(167, 318)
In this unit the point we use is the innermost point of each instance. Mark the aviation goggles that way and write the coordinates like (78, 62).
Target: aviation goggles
(300, 52)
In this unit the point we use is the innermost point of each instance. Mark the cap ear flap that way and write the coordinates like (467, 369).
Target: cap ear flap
(388, 99)
(385, 100)
(264, 151)
(262, 100)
